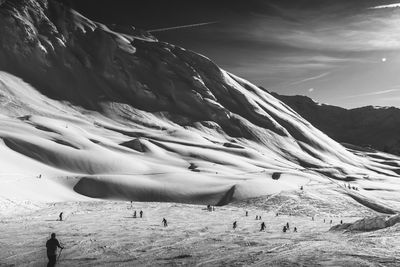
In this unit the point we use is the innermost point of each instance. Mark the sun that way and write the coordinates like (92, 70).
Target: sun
(384, 59)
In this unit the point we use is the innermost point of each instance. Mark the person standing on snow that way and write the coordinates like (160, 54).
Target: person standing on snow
(51, 246)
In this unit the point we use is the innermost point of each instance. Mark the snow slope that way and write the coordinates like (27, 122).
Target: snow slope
(106, 234)
(108, 112)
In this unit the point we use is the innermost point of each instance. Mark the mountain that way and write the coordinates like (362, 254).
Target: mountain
(374, 127)
(105, 111)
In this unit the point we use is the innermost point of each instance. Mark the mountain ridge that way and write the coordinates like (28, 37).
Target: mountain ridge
(369, 126)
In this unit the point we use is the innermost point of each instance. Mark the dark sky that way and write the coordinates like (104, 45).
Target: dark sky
(343, 52)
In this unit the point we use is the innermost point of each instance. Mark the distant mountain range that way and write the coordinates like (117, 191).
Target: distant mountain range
(374, 127)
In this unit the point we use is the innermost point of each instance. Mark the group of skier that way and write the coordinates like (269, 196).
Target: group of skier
(140, 214)
(351, 187)
(52, 244)
(263, 226)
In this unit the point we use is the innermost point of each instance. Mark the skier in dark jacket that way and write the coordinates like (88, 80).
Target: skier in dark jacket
(51, 246)
(262, 226)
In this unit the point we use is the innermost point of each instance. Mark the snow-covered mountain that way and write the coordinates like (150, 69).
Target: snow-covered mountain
(374, 127)
(89, 110)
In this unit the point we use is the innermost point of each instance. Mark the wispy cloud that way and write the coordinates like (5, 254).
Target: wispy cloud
(333, 50)
(386, 6)
(183, 26)
(311, 78)
(374, 93)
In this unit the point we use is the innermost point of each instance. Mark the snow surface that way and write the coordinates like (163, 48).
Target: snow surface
(106, 234)
(81, 153)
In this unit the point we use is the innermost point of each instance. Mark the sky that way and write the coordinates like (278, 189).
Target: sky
(343, 52)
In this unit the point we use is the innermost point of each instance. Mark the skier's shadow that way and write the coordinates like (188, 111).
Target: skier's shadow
(51, 220)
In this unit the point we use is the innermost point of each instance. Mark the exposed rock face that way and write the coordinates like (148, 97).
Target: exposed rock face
(369, 224)
(135, 144)
(374, 127)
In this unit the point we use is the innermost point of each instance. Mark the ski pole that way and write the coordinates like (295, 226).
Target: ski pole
(59, 254)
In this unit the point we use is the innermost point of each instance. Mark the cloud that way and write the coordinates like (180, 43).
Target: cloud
(311, 79)
(183, 26)
(374, 93)
(386, 6)
(362, 30)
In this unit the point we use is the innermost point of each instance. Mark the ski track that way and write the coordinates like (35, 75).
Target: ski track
(105, 234)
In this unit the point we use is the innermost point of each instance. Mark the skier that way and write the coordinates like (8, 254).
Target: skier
(134, 214)
(256, 217)
(287, 226)
(247, 213)
(331, 222)
(341, 221)
(51, 246)
(141, 214)
(295, 230)
(284, 229)
(259, 217)
(301, 187)
(234, 224)
(262, 226)
(164, 221)
(60, 216)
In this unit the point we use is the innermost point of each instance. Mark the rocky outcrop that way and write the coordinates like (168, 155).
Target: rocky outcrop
(369, 224)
